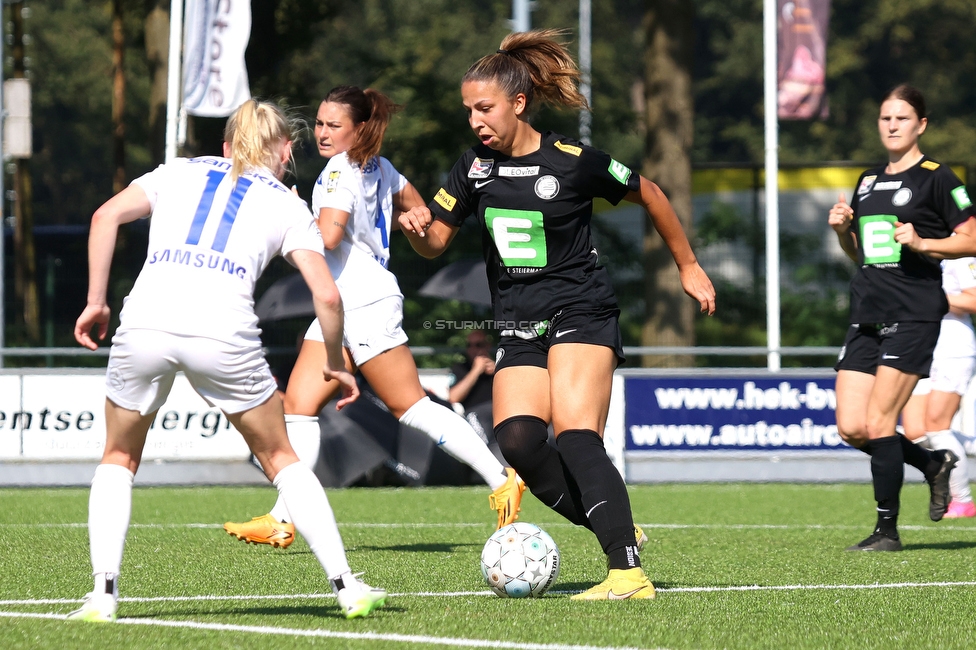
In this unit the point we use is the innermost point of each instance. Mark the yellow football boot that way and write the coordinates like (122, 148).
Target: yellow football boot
(507, 499)
(621, 584)
(263, 530)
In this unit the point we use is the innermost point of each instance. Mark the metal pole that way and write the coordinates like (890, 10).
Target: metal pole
(586, 67)
(3, 195)
(521, 15)
(772, 185)
(173, 77)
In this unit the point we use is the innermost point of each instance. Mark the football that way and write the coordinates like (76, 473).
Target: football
(520, 560)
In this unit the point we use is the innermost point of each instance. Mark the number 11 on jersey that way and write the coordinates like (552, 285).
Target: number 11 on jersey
(214, 177)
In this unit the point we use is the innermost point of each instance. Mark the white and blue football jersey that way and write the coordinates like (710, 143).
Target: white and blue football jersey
(210, 238)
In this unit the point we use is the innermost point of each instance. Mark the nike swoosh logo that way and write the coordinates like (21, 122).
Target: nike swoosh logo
(615, 596)
(441, 441)
(561, 332)
(285, 533)
(889, 356)
(479, 184)
(594, 508)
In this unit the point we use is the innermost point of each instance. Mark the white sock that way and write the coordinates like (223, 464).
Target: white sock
(312, 516)
(959, 477)
(109, 509)
(306, 439)
(453, 434)
(924, 443)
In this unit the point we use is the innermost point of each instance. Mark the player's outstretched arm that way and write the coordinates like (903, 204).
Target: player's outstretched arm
(328, 309)
(430, 237)
(126, 206)
(694, 280)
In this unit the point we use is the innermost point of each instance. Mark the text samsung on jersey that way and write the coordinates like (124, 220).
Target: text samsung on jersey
(198, 260)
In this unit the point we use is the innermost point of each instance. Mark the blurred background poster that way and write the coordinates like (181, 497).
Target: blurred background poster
(802, 60)
(214, 75)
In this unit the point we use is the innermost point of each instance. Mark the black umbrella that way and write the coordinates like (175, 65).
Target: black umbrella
(464, 280)
(289, 297)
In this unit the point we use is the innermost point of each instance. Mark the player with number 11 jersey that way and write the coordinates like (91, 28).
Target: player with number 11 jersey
(205, 249)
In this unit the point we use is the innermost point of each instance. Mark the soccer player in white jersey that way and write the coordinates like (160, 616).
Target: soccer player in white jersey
(927, 418)
(355, 200)
(216, 224)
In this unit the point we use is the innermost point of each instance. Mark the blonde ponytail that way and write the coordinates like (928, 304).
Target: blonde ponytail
(256, 133)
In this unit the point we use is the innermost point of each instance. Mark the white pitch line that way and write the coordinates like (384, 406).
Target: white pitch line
(466, 594)
(915, 527)
(331, 634)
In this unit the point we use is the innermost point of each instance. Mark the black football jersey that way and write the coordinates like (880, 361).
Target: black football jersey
(535, 214)
(894, 283)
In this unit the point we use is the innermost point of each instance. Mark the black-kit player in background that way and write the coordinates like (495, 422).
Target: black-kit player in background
(560, 341)
(904, 217)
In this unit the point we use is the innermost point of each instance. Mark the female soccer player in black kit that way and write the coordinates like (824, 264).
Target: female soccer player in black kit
(898, 226)
(560, 340)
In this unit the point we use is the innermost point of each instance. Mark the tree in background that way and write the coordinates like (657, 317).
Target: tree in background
(669, 121)
(25, 259)
(417, 51)
(156, 29)
(118, 96)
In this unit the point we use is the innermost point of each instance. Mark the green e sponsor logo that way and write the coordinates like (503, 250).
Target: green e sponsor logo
(619, 171)
(878, 239)
(519, 236)
(961, 197)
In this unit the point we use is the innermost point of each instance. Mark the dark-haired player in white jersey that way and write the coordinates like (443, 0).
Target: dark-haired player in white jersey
(354, 201)
(216, 225)
(560, 342)
(904, 217)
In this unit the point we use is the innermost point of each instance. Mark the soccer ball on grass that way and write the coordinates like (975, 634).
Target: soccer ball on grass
(520, 560)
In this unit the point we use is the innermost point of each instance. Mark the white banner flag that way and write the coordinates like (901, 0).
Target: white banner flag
(214, 74)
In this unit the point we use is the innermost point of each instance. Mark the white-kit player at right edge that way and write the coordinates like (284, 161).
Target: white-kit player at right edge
(927, 418)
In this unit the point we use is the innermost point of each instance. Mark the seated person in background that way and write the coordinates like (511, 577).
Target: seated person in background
(471, 380)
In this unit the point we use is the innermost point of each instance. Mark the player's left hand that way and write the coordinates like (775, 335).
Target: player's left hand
(697, 285)
(906, 236)
(94, 316)
(350, 389)
(416, 220)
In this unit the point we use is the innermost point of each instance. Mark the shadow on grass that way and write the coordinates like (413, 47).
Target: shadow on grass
(415, 548)
(939, 546)
(329, 610)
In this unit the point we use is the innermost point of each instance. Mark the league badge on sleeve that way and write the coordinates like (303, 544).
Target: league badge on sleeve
(480, 168)
(866, 184)
(333, 182)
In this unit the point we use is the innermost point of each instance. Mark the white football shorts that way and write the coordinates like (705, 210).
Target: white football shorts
(948, 375)
(370, 330)
(143, 363)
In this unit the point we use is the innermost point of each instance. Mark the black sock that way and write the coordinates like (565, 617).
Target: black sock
(604, 495)
(888, 474)
(524, 442)
(918, 457)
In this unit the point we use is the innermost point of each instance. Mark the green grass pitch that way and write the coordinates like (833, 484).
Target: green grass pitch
(736, 566)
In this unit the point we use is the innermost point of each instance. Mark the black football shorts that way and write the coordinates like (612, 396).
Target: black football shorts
(905, 346)
(601, 328)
